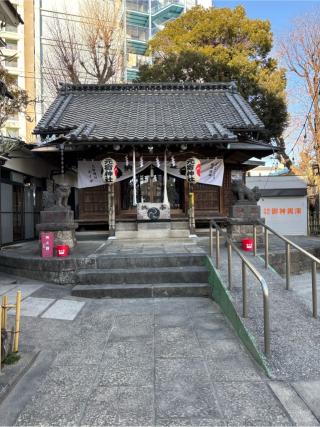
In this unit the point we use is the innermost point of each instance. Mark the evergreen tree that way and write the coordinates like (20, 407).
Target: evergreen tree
(214, 44)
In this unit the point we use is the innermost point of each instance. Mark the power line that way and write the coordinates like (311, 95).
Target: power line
(307, 116)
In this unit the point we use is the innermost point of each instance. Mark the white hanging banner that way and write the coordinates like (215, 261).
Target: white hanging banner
(90, 172)
(212, 172)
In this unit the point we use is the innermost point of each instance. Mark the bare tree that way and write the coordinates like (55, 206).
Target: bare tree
(301, 52)
(86, 49)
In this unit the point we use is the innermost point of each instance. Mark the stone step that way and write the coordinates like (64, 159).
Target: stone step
(179, 225)
(85, 236)
(153, 234)
(145, 261)
(143, 275)
(142, 291)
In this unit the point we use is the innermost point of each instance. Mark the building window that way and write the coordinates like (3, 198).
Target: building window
(11, 62)
(12, 44)
(14, 133)
(14, 116)
(11, 28)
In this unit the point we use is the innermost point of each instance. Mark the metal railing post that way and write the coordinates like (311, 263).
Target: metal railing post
(254, 239)
(314, 290)
(266, 321)
(0, 335)
(211, 240)
(266, 247)
(217, 248)
(244, 290)
(229, 247)
(288, 262)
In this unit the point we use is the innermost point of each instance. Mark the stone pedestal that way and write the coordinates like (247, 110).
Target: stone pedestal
(61, 223)
(242, 216)
(245, 211)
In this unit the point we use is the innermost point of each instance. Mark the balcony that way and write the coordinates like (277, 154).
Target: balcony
(137, 32)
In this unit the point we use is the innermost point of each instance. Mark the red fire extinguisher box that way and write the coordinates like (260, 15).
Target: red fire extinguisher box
(47, 244)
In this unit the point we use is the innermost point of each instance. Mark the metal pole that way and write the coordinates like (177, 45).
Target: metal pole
(134, 202)
(0, 336)
(266, 324)
(266, 247)
(288, 262)
(244, 290)
(314, 290)
(254, 240)
(229, 264)
(211, 240)
(217, 249)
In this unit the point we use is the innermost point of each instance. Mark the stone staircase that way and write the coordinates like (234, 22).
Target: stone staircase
(143, 275)
(152, 230)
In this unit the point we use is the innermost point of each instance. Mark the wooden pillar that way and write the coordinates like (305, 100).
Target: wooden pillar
(111, 211)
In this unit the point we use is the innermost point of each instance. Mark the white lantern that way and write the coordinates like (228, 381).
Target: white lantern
(193, 170)
(110, 170)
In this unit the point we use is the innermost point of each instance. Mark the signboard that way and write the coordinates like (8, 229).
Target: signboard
(47, 243)
(286, 215)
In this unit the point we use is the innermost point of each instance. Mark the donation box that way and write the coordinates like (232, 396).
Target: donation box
(47, 241)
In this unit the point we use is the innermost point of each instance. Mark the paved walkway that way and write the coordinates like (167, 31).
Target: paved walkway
(149, 361)
(138, 362)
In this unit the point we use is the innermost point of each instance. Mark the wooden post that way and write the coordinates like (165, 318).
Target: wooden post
(4, 311)
(191, 210)
(17, 323)
(111, 210)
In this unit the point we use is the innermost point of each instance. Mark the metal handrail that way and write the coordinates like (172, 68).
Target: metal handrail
(289, 243)
(245, 264)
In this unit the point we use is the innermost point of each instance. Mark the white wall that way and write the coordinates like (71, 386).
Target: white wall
(286, 215)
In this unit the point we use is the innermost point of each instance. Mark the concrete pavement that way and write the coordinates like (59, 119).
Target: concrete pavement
(139, 362)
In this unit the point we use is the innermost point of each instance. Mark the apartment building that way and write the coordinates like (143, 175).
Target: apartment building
(12, 58)
(28, 46)
(144, 18)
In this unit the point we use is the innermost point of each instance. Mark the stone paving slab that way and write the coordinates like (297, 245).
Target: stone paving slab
(295, 406)
(26, 290)
(64, 310)
(309, 391)
(33, 307)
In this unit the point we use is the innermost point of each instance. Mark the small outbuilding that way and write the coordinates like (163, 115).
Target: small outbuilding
(284, 202)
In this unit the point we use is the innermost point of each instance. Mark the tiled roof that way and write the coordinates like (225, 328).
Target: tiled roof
(149, 112)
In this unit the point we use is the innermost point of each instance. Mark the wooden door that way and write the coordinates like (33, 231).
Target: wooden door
(93, 203)
(207, 199)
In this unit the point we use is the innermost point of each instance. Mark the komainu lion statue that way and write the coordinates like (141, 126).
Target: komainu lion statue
(58, 200)
(243, 193)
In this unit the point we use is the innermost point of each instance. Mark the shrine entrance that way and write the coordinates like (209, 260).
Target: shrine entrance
(150, 187)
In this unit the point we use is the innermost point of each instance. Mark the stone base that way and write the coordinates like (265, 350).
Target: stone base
(65, 237)
(61, 223)
(245, 211)
(62, 237)
(57, 216)
(240, 229)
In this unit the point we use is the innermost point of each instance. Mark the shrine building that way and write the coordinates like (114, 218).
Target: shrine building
(164, 148)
